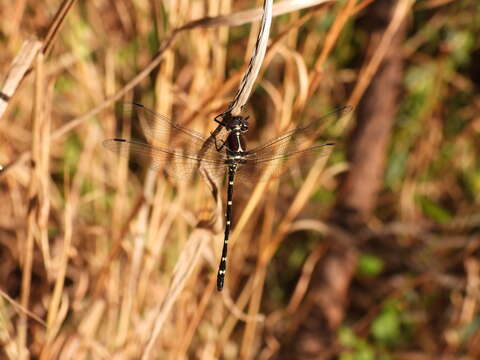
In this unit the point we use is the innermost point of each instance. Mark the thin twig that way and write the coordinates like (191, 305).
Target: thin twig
(21, 308)
(54, 27)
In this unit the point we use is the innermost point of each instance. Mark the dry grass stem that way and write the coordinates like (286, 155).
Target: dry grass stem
(103, 258)
(302, 284)
(248, 16)
(56, 24)
(185, 265)
(401, 11)
(300, 199)
(19, 67)
(21, 309)
(248, 80)
(330, 41)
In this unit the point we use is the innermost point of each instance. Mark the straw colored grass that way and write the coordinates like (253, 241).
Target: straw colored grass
(102, 260)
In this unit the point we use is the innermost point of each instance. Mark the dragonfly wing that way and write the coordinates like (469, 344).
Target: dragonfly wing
(177, 164)
(293, 140)
(256, 169)
(160, 130)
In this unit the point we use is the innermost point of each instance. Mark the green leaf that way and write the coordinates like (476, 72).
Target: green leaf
(64, 83)
(396, 167)
(386, 328)
(434, 211)
(71, 152)
(297, 257)
(347, 337)
(420, 79)
(460, 44)
(370, 265)
(346, 356)
(364, 354)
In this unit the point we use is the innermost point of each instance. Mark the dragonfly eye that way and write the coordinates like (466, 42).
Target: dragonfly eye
(244, 127)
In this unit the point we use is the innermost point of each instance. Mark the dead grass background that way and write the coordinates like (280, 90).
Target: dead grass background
(100, 260)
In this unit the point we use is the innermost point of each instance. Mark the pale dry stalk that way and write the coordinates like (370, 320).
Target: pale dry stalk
(234, 316)
(20, 65)
(331, 39)
(73, 191)
(472, 292)
(164, 106)
(302, 284)
(56, 24)
(16, 19)
(249, 336)
(370, 69)
(34, 195)
(256, 61)
(200, 312)
(24, 59)
(43, 172)
(186, 263)
(298, 203)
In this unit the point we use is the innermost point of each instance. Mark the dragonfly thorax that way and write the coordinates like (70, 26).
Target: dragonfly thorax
(236, 144)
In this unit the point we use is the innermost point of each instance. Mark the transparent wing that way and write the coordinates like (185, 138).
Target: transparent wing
(292, 140)
(253, 169)
(160, 130)
(176, 163)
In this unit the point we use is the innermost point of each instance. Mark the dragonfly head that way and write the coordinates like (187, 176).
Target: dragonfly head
(239, 123)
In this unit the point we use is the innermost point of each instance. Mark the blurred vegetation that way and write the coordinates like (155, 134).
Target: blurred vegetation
(416, 291)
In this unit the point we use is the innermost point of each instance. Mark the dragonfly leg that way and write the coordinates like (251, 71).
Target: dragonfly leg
(217, 147)
(220, 122)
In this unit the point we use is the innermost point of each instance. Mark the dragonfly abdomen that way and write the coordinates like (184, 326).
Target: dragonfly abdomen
(228, 226)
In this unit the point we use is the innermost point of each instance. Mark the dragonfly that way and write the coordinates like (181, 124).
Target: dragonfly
(227, 155)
